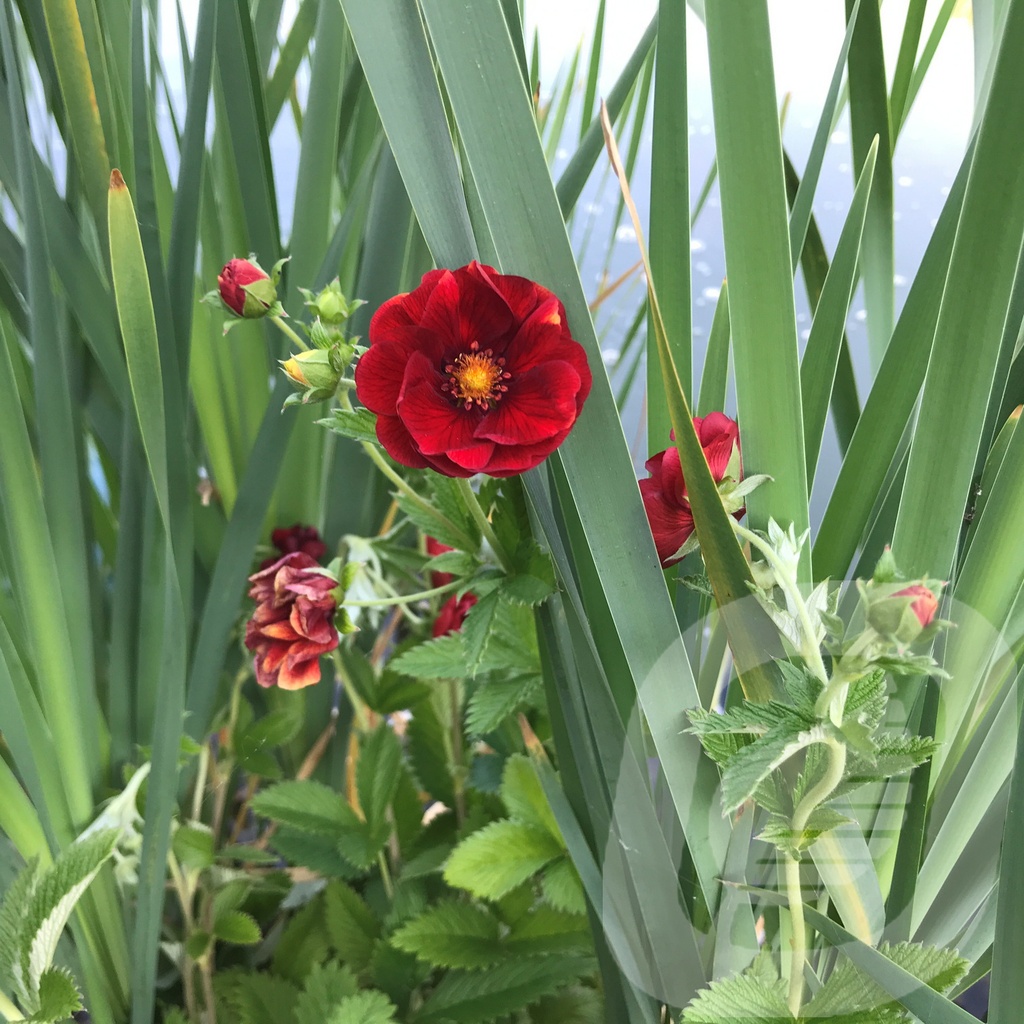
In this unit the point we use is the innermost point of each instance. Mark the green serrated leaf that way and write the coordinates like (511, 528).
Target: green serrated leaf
(560, 883)
(193, 847)
(362, 841)
(327, 987)
(441, 658)
(305, 805)
(58, 997)
(547, 930)
(495, 859)
(447, 498)
(197, 944)
(851, 994)
(571, 1006)
(53, 899)
(269, 732)
(452, 934)
(231, 896)
(397, 974)
(238, 928)
(256, 998)
(457, 563)
(354, 928)
(743, 997)
(428, 751)
(465, 997)
(779, 832)
(494, 700)
(358, 424)
(303, 945)
(12, 916)
(802, 686)
(377, 776)
(316, 852)
(477, 627)
(363, 1008)
(524, 797)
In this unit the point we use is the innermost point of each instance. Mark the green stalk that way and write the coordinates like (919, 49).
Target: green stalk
(398, 599)
(815, 797)
(481, 520)
(289, 333)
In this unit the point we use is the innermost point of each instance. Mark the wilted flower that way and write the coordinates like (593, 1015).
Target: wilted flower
(246, 288)
(293, 623)
(473, 372)
(296, 538)
(664, 493)
(453, 613)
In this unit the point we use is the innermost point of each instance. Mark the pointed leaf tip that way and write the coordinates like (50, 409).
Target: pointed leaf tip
(116, 180)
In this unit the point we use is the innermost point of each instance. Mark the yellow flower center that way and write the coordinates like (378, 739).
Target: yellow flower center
(475, 377)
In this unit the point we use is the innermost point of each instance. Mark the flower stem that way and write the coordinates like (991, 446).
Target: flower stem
(386, 602)
(288, 332)
(816, 796)
(810, 649)
(481, 520)
(798, 931)
(400, 482)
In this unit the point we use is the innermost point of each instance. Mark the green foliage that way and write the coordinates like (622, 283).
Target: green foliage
(743, 997)
(363, 1008)
(33, 915)
(352, 926)
(494, 860)
(469, 996)
(452, 934)
(851, 994)
(327, 986)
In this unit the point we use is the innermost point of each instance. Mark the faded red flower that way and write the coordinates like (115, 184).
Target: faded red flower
(231, 282)
(473, 372)
(664, 493)
(453, 613)
(924, 605)
(434, 548)
(293, 623)
(295, 538)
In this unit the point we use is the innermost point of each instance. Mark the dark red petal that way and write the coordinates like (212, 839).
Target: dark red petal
(379, 375)
(440, 316)
(718, 433)
(539, 338)
(435, 423)
(484, 315)
(537, 406)
(671, 479)
(475, 458)
(443, 465)
(521, 295)
(508, 460)
(398, 443)
(670, 525)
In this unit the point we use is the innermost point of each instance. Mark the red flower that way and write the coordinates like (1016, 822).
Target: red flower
(434, 548)
(232, 280)
(293, 623)
(924, 605)
(473, 372)
(664, 493)
(296, 538)
(453, 613)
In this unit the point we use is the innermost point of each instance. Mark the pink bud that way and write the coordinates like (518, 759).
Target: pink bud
(924, 605)
(232, 281)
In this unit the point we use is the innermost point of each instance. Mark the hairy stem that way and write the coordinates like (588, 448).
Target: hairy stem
(798, 933)
(816, 796)
(397, 599)
(810, 648)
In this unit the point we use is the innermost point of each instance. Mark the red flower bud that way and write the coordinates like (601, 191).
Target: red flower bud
(924, 605)
(473, 372)
(453, 613)
(293, 623)
(232, 282)
(664, 493)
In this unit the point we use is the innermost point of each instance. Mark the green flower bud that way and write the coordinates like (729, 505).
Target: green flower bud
(330, 305)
